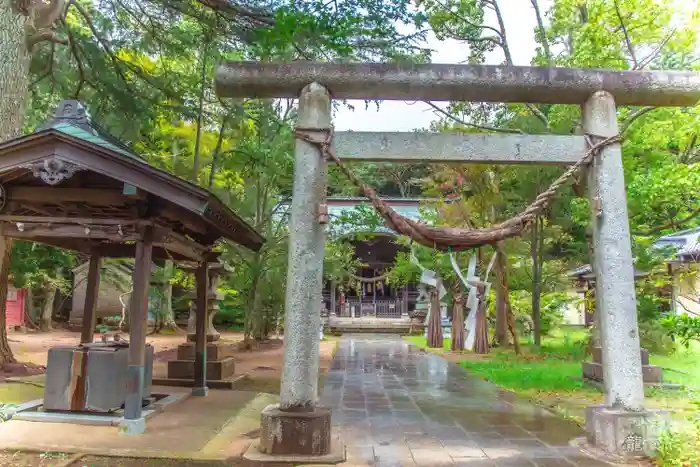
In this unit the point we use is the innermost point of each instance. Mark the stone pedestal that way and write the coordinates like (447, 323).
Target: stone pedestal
(220, 362)
(623, 435)
(298, 433)
(594, 370)
(297, 438)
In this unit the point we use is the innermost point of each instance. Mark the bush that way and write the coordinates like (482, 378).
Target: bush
(229, 317)
(552, 306)
(654, 337)
(684, 327)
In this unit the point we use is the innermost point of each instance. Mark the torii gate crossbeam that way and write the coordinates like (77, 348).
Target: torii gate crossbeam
(440, 82)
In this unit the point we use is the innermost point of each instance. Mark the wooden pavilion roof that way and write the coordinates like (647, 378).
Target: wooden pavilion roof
(73, 186)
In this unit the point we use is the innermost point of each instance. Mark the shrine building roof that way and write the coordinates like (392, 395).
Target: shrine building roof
(72, 185)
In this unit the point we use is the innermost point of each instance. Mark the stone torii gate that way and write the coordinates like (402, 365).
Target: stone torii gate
(621, 427)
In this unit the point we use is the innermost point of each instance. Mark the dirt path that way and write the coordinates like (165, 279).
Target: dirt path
(263, 364)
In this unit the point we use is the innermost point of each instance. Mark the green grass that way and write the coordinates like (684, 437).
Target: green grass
(17, 393)
(551, 375)
(420, 342)
(683, 367)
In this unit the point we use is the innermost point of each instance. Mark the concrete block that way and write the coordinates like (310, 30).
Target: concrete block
(295, 433)
(103, 387)
(650, 374)
(624, 435)
(597, 354)
(215, 351)
(219, 370)
(132, 427)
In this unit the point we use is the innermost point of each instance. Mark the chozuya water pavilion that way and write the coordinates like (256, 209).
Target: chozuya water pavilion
(72, 186)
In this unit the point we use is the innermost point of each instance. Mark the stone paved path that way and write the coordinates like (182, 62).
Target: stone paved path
(397, 406)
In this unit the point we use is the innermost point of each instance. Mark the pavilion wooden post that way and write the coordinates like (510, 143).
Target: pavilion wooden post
(200, 356)
(92, 292)
(134, 422)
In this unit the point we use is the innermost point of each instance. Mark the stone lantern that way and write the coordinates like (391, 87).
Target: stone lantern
(215, 270)
(219, 355)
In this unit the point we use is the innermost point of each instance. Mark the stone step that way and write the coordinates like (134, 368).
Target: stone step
(231, 383)
(215, 351)
(217, 370)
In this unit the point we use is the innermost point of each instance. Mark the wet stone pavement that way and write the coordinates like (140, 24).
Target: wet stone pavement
(397, 406)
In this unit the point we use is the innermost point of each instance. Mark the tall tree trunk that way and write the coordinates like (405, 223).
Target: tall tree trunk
(168, 313)
(5, 350)
(501, 335)
(217, 153)
(47, 309)
(458, 334)
(511, 328)
(252, 315)
(203, 82)
(435, 339)
(14, 81)
(505, 312)
(481, 337)
(536, 277)
(14, 70)
(29, 309)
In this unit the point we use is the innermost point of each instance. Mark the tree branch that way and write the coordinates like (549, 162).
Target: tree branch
(217, 151)
(542, 33)
(685, 158)
(47, 35)
(628, 41)
(469, 22)
(634, 116)
(473, 125)
(674, 224)
(650, 58)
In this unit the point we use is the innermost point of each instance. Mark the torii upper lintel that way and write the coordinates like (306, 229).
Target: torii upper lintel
(442, 82)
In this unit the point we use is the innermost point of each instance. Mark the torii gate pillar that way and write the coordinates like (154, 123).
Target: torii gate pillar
(622, 427)
(297, 430)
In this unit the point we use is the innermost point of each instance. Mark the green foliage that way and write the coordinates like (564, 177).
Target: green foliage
(38, 266)
(553, 307)
(679, 446)
(654, 337)
(684, 327)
